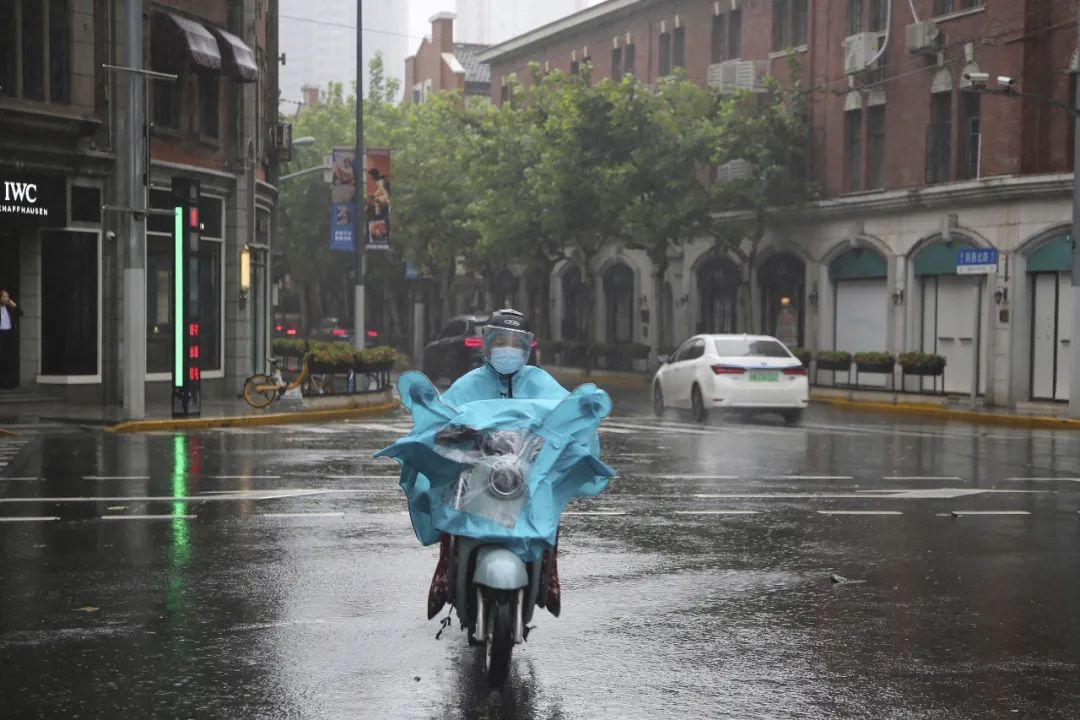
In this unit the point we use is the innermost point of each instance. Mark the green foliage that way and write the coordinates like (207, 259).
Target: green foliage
(874, 359)
(833, 358)
(284, 347)
(919, 363)
(803, 355)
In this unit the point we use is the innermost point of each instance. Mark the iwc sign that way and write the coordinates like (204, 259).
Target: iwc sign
(38, 200)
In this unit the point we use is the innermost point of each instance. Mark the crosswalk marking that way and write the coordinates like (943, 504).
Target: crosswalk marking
(49, 518)
(963, 513)
(859, 512)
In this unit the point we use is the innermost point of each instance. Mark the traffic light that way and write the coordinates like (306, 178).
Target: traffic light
(187, 366)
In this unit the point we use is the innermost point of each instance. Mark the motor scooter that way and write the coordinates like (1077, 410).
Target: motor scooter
(495, 476)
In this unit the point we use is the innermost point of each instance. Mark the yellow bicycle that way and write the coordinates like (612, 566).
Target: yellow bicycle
(262, 389)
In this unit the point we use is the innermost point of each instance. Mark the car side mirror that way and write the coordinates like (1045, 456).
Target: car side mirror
(664, 359)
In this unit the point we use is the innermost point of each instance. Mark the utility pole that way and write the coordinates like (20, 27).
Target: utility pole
(360, 216)
(134, 166)
(1074, 364)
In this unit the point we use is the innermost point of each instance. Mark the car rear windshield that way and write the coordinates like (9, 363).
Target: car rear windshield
(750, 348)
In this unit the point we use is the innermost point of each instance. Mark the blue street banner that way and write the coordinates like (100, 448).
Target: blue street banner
(343, 227)
(977, 261)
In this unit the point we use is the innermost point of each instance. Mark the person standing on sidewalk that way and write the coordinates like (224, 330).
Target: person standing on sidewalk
(9, 341)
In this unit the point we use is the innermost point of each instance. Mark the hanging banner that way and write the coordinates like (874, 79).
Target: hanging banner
(378, 199)
(343, 185)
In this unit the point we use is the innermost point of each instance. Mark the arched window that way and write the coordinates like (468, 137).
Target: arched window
(718, 286)
(619, 292)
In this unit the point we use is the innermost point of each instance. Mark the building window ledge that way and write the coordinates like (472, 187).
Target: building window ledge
(862, 193)
(959, 14)
(788, 53)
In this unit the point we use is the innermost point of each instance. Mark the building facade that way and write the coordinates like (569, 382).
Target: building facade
(65, 128)
(442, 65)
(912, 166)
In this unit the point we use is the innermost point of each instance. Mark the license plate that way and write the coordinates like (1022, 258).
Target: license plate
(763, 376)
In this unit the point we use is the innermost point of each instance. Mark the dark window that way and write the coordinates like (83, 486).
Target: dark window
(616, 64)
(504, 93)
(726, 347)
(944, 7)
(33, 50)
(695, 350)
(798, 22)
(210, 216)
(209, 105)
(454, 329)
(875, 147)
(210, 300)
(69, 303)
(9, 61)
(575, 68)
(85, 204)
(971, 126)
(879, 15)
(665, 54)
(855, 16)
(719, 38)
(59, 51)
(159, 302)
(629, 60)
(735, 34)
(167, 103)
(939, 139)
(781, 25)
(678, 48)
(619, 293)
(853, 158)
(418, 95)
(160, 200)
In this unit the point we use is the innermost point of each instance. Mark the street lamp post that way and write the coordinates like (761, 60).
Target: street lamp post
(360, 216)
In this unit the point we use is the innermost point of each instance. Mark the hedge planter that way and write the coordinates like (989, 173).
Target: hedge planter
(876, 368)
(834, 361)
(922, 364)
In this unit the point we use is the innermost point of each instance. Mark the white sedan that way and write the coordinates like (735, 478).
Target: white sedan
(744, 373)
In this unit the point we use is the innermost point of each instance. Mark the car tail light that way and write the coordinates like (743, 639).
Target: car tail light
(291, 331)
(474, 342)
(373, 333)
(533, 344)
(278, 328)
(338, 332)
(728, 370)
(795, 371)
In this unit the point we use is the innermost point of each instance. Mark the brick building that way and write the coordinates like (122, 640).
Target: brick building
(63, 127)
(440, 64)
(912, 166)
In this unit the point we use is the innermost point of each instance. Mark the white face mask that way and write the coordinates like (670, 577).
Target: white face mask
(507, 360)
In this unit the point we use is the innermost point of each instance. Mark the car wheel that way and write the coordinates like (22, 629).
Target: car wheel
(700, 413)
(658, 401)
(793, 417)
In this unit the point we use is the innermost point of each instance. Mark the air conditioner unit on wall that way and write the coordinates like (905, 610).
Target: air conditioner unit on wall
(750, 75)
(923, 37)
(724, 75)
(860, 51)
(734, 171)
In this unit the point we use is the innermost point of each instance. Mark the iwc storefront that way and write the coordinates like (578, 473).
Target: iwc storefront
(51, 275)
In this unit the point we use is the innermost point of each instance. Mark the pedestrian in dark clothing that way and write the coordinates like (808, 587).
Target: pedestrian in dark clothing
(9, 341)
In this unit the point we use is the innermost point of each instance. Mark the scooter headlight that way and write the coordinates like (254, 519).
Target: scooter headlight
(506, 480)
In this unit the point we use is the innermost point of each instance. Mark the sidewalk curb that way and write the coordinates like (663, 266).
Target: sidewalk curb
(1033, 422)
(303, 416)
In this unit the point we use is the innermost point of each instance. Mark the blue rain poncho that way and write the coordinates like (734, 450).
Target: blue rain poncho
(498, 470)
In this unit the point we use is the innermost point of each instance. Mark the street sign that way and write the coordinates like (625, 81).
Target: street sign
(978, 261)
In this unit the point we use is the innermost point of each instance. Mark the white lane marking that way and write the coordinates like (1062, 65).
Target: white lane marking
(44, 518)
(595, 513)
(617, 430)
(115, 477)
(242, 477)
(147, 517)
(963, 513)
(19, 479)
(686, 477)
(300, 515)
(264, 495)
(812, 477)
(717, 512)
(654, 428)
(1044, 479)
(780, 496)
(901, 478)
(389, 428)
(859, 512)
(361, 477)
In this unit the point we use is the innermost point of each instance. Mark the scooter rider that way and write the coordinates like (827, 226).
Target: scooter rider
(507, 344)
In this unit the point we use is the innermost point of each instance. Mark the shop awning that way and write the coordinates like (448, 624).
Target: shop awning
(179, 43)
(239, 59)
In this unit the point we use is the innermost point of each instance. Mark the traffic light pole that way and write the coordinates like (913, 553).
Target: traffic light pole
(360, 216)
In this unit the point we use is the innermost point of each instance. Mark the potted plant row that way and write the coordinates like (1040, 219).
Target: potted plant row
(875, 362)
(833, 360)
(922, 364)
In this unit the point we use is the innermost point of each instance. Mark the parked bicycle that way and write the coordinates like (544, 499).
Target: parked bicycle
(263, 389)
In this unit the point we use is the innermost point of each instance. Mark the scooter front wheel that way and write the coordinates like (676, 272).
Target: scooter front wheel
(500, 639)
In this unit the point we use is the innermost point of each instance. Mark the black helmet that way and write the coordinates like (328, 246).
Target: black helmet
(510, 319)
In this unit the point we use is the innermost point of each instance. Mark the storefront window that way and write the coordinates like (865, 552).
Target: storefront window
(69, 304)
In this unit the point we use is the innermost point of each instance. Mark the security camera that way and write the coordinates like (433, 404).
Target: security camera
(1006, 82)
(978, 79)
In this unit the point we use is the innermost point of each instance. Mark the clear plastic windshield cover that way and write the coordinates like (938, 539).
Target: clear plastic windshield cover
(494, 480)
(494, 337)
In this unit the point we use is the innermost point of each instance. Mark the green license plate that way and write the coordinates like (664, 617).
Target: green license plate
(764, 376)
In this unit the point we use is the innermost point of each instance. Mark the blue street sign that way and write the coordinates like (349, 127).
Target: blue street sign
(341, 227)
(977, 261)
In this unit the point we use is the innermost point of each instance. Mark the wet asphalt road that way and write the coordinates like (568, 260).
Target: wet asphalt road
(279, 578)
